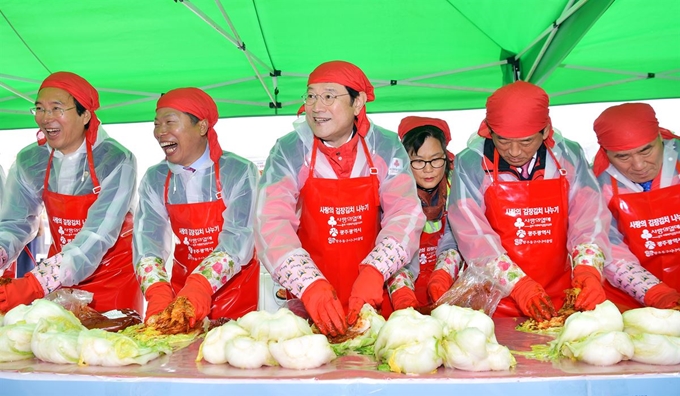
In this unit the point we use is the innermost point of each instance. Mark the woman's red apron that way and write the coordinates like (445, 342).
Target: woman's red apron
(339, 223)
(427, 257)
(113, 283)
(531, 218)
(198, 226)
(650, 224)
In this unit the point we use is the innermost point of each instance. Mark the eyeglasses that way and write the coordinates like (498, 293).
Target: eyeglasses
(56, 111)
(435, 163)
(326, 98)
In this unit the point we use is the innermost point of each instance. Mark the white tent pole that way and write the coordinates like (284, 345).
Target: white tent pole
(16, 92)
(591, 87)
(664, 75)
(121, 104)
(237, 42)
(553, 27)
(547, 43)
(222, 32)
(243, 102)
(455, 71)
(30, 94)
(26, 113)
(450, 87)
(225, 83)
(248, 54)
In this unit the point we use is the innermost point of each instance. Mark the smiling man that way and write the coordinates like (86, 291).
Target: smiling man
(337, 212)
(526, 211)
(205, 197)
(86, 181)
(637, 167)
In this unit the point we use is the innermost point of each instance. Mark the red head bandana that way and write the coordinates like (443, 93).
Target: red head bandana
(347, 74)
(516, 111)
(625, 127)
(83, 92)
(411, 122)
(198, 103)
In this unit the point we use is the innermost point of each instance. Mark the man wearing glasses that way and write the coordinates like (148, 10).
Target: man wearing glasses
(337, 212)
(526, 210)
(86, 182)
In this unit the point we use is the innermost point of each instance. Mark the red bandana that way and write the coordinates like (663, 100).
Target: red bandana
(347, 74)
(625, 127)
(516, 111)
(83, 92)
(198, 103)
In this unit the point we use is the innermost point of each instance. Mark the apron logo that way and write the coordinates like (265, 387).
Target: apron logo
(395, 166)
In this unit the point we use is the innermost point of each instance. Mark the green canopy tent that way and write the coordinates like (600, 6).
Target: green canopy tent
(253, 56)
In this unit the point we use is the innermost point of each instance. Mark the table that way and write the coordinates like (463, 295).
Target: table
(180, 375)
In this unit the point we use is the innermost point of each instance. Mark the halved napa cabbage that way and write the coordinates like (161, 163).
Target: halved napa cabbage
(600, 349)
(656, 349)
(458, 318)
(408, 342)
(279, 326)
(56, 341)
(15, 342)
(301, 353)
(101, 348)
(653, 321)
(469, 349)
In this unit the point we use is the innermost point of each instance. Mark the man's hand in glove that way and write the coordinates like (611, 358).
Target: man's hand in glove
(662, 296)
(20, 291)
(198, 291)
(158, 297)
(367, 289)
(440, 282)
(532, 299)
(588, 279)
(322, 304)
(404, 298)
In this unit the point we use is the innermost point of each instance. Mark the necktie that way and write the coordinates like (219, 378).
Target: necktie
(646, 186)
(192, 170)
(524, 171)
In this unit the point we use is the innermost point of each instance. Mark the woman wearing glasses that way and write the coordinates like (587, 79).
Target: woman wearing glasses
(205, 198)
(86, 182)
(337, 212)
(425, 140)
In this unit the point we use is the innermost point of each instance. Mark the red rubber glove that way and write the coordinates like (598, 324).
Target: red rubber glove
(158, 297)
(367, 289)
(199, 292)
(662, 296)
(440, 282)
(532, 299)
(588, 279)
(404, 298)
(322, 304)
(20, 291)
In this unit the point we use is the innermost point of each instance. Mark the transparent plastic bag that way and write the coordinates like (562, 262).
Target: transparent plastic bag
(474, 289)
(77, 301)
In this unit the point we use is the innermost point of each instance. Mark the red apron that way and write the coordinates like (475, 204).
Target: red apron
(427, 256)
(339, 223)
(531, 219)
(198, 226)
(113, 283)
(650, 224)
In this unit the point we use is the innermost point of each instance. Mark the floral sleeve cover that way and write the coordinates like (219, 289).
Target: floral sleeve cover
(588, 254)
(402, 278)
(217, 268)
(296, 273)
(388, 256)
(149, 271)
(450, 261)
